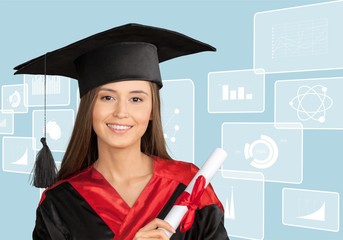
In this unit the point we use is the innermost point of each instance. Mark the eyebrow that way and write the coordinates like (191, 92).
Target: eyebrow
(115, 91)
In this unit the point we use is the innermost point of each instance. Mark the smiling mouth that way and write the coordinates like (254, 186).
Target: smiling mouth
(119, 127)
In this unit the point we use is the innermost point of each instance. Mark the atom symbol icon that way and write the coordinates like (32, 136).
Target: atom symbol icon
(311, 103)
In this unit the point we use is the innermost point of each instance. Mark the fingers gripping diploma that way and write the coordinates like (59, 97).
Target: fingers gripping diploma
(154, 230)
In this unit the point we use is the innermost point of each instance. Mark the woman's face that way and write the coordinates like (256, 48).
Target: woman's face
(121, 114)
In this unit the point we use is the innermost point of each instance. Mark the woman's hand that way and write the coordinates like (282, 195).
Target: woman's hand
(153, 230)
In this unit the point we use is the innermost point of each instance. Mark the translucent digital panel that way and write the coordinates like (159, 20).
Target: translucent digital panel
(274, 150)
(13, 98)
(311, 209)
(242, 195)
(18, 154)
(59, 125)
(236, 91)
(299, 39)
(6, 122)
(178, 118)
(316, 103)
(57, 90)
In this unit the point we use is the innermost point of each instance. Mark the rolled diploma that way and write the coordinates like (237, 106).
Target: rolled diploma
(208, 170)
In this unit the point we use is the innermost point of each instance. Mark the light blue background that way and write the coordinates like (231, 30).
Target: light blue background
(31, 28)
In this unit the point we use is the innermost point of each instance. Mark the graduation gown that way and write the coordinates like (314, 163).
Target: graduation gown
(86, 206)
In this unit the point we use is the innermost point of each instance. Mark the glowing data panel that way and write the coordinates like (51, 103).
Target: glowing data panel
(18, 154)
(311, 209)
(299, 39)
(316, 103)
(276, 150)
(13, 98)
(59, 124)
(242, 195)
(178, 118)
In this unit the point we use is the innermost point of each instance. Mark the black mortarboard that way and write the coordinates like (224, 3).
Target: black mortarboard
(128, 52)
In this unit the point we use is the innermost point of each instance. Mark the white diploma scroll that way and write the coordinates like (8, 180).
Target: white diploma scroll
(208, 170)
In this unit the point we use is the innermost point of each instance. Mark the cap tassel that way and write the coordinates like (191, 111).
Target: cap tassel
(44, 170)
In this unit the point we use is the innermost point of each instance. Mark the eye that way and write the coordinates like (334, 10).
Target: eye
(136, 99)
(106, 98)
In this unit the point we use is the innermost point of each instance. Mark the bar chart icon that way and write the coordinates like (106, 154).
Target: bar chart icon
(57, 88)
(53, 85)
(239, 91)
(235, 94)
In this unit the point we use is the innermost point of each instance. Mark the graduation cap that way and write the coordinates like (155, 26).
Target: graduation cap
(128, 52)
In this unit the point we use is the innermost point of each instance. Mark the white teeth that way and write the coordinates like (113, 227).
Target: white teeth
(119, 127)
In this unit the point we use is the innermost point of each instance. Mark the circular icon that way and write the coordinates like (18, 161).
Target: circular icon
(263, 152)
(14, 99)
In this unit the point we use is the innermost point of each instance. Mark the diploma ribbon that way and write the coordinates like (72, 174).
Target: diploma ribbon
(191, 201)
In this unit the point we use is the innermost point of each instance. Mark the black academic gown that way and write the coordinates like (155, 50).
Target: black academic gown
(87, 207)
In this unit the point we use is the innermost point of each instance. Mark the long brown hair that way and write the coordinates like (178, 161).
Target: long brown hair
(82, 150)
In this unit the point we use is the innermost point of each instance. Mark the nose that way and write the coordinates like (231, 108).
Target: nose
(121, 110)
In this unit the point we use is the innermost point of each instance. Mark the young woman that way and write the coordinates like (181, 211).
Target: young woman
(117, 180)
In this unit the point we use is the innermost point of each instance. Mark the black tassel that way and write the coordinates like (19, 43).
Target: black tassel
(44, 170)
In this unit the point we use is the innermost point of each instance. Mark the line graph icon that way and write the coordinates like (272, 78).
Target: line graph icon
(302, 38)
(172, 120)
(299, 39)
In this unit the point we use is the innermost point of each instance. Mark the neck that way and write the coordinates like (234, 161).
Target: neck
(123, 164)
